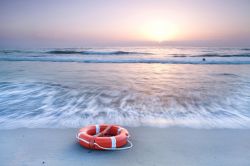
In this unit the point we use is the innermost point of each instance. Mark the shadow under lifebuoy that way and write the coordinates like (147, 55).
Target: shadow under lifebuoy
(80, 150)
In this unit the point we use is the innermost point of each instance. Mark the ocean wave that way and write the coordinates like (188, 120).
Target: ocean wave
(174, 60)
(19, 51)
(226, 75)
(180, 55)
(96, 52)
(42, 104)
(222, 55)
(130, 55)
(245, 49)
(211, 55)
(69, 52)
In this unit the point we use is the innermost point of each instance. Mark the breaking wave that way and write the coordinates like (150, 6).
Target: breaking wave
(132, 55)
(223, 55)
(174, 60)
(38, 104)
(96, 52)
(72, 95)
(211, 55)
(75, 52)
(245, 49)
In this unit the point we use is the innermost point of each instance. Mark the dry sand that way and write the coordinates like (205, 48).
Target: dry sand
(152, 146)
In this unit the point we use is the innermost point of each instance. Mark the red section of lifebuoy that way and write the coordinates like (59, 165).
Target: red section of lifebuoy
(93, 136)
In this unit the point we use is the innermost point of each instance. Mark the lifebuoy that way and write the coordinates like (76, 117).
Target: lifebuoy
(103, 137)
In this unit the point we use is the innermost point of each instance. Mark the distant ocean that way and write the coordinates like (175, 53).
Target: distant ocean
(151, 86)
(170, 55)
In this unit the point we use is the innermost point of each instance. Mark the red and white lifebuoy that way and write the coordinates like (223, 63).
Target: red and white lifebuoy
(104, 137)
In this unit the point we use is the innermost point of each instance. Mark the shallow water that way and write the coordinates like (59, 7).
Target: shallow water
(70, 94)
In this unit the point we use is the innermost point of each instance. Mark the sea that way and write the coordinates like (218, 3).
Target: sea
(162, 86)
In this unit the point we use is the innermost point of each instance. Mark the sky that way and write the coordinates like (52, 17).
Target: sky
(80, 23)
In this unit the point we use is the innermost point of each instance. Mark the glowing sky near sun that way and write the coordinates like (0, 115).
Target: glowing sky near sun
(99, 22)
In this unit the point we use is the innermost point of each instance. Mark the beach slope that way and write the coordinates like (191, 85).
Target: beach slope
(152, 147)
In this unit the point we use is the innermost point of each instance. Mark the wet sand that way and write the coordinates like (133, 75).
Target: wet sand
(152, 147)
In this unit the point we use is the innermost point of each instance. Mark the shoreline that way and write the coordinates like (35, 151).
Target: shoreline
(152, 146)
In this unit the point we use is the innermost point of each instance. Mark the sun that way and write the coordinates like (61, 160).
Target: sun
(159, 31)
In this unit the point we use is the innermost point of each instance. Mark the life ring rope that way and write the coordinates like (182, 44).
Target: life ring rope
(122, 148)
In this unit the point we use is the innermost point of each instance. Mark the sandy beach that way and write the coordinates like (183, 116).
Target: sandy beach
(152, 146)
(174, 73)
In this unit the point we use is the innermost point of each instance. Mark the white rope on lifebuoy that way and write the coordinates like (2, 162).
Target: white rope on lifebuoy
(97, 129)
(99, 146)
(123, 148)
